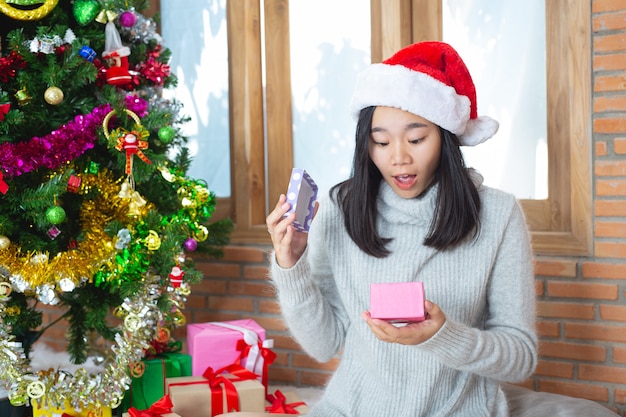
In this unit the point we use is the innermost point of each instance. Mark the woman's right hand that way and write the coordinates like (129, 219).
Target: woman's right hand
(289, 243)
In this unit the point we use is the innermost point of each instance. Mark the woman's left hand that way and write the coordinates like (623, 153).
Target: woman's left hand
(412, 333)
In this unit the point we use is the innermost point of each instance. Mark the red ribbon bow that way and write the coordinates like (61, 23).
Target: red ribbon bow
(4, 187)
(216, 381)
(219, 383)
(162, 406)
(280, 405)
(267, 354)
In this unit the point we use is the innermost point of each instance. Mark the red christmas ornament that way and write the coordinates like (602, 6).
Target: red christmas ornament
(9, 66)
(4, 187)
(4, 109)
(117, 56)
(73, 184)
(176, 276)
(131, 143)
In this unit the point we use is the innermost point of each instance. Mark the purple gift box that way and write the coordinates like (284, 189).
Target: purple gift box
(397, 302)
(301, 195)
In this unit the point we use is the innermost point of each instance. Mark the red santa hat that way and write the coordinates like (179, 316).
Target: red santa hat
(428, 79)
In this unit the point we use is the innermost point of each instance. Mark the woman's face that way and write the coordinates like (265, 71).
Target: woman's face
(405, 148)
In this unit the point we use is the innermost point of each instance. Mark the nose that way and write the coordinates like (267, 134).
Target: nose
(399, 154)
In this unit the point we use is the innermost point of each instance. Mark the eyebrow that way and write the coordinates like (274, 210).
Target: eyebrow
(410, 126)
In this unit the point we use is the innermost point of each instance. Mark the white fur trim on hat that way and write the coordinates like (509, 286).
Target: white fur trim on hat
(416, 86)
(412, 91)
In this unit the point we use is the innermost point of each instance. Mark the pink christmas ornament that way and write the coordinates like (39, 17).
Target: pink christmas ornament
(128, 19)
(190, 244)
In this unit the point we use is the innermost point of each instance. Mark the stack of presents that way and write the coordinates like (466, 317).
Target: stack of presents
(225, 369)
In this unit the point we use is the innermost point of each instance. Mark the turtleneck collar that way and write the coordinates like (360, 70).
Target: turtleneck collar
(395, 209)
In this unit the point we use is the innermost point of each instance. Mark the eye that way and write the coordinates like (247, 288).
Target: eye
(379, 142)
(416, 141)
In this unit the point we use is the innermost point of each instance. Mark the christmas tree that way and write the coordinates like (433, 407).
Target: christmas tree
(97, 215)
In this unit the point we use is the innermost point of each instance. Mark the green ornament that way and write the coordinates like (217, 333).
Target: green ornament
(55, 214)
(93, 168)
(85, 11)
(166, 134)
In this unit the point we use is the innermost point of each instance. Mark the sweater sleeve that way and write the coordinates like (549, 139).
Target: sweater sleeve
(506, 349)
(308, 296)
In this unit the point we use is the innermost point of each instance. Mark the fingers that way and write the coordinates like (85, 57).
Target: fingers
(410, 333)
(382, 329)
(277, 214)
(287, 249)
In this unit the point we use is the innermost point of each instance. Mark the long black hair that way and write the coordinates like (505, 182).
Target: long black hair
(457, 208)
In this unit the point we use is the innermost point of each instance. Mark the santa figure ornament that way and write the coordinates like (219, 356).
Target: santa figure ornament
(116, 55)
(176, 276)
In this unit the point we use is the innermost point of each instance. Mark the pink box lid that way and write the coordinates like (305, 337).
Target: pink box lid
(397, 301)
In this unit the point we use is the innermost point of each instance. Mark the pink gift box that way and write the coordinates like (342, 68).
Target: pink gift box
(212, 344)
(301, 194)
(397, 302)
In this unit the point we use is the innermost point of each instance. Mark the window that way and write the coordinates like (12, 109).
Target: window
(261, 118)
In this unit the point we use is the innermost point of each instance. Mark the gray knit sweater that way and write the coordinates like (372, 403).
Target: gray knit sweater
(485, 287)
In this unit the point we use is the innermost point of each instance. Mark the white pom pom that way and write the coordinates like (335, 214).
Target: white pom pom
(478, 130)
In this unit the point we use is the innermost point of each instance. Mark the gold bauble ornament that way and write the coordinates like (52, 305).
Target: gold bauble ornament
(4, 242)
(201, 233)
(53, 95)
(152, 241)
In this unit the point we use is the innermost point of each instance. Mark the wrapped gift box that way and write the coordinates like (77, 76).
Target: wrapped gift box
(43, 410)
(301, 194)
(150, 387)
(285, 403)
(398, 302)
(214, 344)
(192, 396)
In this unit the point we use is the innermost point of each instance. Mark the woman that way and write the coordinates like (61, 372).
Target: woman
(412, 211)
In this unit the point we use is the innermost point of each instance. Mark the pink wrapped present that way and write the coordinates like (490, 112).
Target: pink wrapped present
(398, 302)
(219, 344)
(301, 194)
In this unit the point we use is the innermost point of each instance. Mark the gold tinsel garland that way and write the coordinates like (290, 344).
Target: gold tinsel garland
(75, 267)
(140, 314)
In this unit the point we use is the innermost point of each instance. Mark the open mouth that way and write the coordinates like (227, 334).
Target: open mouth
(405, 181)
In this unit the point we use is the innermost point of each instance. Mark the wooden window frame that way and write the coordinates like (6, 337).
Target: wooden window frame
(561, 224)
(261, 119)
